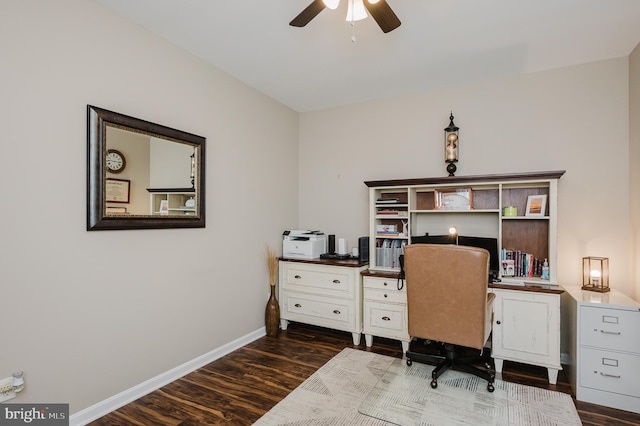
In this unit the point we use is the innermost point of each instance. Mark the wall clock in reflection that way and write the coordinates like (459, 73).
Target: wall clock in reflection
(115, 161)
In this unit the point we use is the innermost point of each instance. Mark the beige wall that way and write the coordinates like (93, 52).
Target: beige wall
(573, 119)
(634, 166)
(91, 314)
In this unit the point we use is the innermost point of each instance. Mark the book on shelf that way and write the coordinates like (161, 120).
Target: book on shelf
(387, 229)
(393, 212)
(516, 263)
(387, 201)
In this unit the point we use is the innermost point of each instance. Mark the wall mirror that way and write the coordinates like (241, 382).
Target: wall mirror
(142, 175)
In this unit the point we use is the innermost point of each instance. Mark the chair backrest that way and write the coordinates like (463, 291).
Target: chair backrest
(447, 293)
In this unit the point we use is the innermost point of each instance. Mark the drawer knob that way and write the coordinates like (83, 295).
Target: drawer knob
(297, 305)
(498, 322)
(385, 295)
(297, 277)
(385, 284)
(336, 281)
(337, 312)
(617, 333)
(386, 319)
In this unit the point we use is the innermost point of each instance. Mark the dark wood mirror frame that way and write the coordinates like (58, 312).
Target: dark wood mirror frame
(97, 219)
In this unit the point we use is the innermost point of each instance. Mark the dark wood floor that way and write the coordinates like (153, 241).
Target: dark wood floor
(239, 388)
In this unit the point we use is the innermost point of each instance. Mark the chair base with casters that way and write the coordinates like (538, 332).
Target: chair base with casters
(452, 360)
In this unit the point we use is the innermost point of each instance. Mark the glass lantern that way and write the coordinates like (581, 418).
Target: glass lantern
(595, 274)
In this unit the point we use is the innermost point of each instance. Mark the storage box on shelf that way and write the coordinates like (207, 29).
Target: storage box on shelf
(326, 293)
(603, 366)
(527, 320)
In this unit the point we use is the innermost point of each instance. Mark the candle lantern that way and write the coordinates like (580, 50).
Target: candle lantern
(595, 274)
(451, 145)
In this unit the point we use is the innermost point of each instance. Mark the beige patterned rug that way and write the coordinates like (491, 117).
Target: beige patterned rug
(390, 393)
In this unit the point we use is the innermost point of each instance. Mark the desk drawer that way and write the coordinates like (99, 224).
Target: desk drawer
(317, 310)
(614, 329)
(335, 281)
(382, 283)
(388, 296)
(383, 319)
(610, 371)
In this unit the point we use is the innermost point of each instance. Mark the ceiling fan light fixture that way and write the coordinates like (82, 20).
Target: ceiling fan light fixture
(332, 4)
(356, 11)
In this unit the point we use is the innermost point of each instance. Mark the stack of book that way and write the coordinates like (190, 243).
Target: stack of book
(387, 230)
(392, 213)
(516, 263)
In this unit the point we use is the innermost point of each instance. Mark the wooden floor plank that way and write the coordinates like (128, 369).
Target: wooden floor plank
(240, 387)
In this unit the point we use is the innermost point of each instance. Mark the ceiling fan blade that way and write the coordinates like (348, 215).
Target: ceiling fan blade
(383, 15)
(308, 14)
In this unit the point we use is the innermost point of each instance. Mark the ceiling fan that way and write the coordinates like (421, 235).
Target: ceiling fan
(379, 9)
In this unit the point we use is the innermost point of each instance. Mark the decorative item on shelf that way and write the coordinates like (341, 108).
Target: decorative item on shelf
(190, 203)
(451, 146)
(272, 312)
(453, 199)
(510, 211)
(536, 205)
(595, 274)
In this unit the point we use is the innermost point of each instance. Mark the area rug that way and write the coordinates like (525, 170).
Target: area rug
(358, 388)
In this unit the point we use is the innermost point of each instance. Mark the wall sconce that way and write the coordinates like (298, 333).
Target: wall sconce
(451, 146)
(193, 169)
(595, 274)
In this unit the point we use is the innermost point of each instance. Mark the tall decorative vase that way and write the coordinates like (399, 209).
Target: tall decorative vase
(272, 314)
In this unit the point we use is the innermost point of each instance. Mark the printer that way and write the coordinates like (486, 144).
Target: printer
(303, 244)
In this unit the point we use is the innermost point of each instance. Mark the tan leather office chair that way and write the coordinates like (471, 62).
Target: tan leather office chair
(447, 302)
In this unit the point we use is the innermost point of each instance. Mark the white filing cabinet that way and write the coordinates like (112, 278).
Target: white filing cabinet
(321, 292)
(604, 347)
(526, 327)
(385, 309)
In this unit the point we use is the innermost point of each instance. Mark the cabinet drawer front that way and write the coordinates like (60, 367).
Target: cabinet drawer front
(328, 281)
(390, 296)
(381, 319)
(382, 283)
(610, 371)
(614, 329)
(301, 308)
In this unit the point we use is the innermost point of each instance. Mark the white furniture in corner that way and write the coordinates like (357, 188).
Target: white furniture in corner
(322, 292)
(604, 347)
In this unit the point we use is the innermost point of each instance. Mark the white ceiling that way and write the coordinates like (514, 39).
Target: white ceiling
(440, 42)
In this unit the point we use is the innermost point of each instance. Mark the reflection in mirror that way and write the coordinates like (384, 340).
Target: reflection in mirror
(142, 175)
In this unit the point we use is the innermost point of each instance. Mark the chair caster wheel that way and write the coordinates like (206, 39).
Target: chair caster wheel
(409, 362)
(434, 384)
(490, 387)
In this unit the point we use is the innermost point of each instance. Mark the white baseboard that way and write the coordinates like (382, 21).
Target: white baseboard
(123, 398)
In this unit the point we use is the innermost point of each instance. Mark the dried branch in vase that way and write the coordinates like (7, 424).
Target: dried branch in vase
(272, 262)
